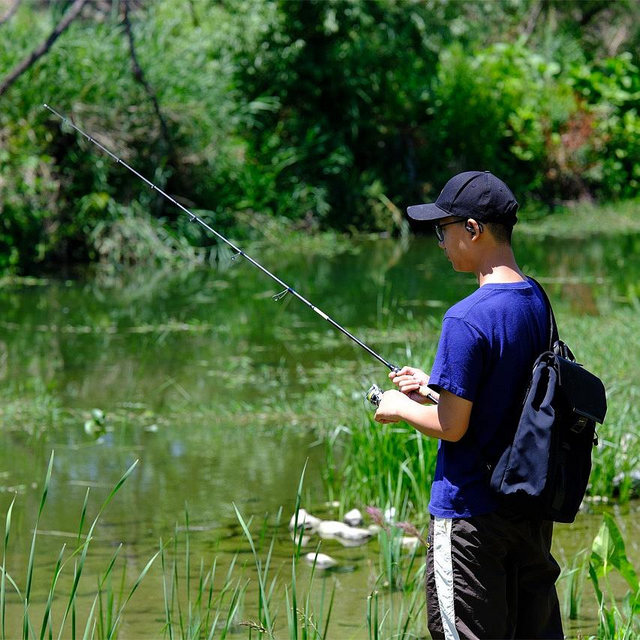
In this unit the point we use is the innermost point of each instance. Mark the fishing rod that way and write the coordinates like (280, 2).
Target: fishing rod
(374, 394)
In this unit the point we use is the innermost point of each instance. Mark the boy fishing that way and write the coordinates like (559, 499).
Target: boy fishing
(490, 572)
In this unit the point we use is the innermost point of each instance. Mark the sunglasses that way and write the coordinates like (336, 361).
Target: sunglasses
(438, 228)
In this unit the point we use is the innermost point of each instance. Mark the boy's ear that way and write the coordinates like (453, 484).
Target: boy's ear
(470, 227)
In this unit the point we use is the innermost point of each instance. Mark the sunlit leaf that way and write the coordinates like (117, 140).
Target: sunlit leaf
(608, 552)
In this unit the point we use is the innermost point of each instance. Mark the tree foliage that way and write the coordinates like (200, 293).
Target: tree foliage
(328, 112)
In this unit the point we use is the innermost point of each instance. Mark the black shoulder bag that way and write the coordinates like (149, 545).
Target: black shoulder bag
(544, 471)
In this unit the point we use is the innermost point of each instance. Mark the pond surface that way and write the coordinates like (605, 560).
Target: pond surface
(206, 381)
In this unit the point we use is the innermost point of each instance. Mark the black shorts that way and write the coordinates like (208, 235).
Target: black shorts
(492, 576)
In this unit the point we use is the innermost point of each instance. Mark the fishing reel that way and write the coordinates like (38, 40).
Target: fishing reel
(374, 395)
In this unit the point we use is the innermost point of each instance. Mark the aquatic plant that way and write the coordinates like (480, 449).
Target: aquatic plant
(216, 603)
(574, 575)
(303, 620)
(617, 620)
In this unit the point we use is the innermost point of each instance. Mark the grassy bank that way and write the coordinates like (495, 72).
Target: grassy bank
(581, 220)
(140, 240)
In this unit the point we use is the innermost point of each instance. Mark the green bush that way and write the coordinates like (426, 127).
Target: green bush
(610, 92)
(499, 109)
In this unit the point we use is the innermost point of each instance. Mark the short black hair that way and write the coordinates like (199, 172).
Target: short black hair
(501, 232)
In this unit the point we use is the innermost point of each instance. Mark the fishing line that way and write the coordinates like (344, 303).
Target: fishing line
(374, 394)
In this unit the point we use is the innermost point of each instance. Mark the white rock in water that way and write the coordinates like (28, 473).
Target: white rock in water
(330, 528)
(354, 534)
(351, 543)
(305, 521)
(321, 560)
(353, 518)
(374, 529)
(300, 537)
(343, 532)
(409, 542)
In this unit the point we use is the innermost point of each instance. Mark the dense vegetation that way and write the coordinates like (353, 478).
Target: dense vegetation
(331, 114)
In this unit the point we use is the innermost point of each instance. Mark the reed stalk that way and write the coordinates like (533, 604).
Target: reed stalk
(3, 592)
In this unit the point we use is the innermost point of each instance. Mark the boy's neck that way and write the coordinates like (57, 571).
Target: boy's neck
(499, 266)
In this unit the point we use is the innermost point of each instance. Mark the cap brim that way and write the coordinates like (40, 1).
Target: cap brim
(425, 212)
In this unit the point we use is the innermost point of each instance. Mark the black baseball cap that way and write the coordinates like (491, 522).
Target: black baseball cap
(471, 194)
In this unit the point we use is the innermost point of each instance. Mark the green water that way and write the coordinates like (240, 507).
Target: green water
(214, 388)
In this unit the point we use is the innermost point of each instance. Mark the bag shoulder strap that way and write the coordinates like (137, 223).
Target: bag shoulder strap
(553, 327)
(553, 340)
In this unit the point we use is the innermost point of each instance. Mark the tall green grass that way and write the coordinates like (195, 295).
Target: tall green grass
(574, 576)
(304, 620)
(367, 455)
(106, 619)
(396, 604)
(605, 347)
(264, 597)
(202, 610)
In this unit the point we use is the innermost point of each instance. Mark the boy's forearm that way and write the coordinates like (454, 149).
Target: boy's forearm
(426, 419)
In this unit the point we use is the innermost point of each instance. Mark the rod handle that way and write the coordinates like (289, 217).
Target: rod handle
(374, 396)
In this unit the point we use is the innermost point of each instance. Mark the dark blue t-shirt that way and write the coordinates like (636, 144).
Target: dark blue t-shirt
(487, 348)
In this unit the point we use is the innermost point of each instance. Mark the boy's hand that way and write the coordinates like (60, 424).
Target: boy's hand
(390, 407)
(412, 382)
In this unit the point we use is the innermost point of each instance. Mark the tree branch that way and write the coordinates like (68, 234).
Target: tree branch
(21, 67)
(617, 40)
(138, 74)
(533, 18)
(9, 14)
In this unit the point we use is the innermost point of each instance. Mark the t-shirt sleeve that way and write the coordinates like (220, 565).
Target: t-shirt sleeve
(459, 359)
